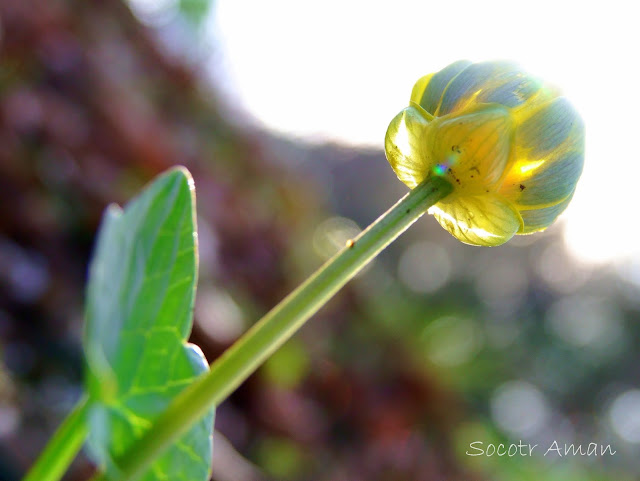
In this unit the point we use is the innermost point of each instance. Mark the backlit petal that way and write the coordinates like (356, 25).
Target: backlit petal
(482, 220)
(536, 220)
(405, 146)
(472, 150)
(429, 89)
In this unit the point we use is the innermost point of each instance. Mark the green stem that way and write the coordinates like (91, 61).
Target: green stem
(63, 446)
(276, 327)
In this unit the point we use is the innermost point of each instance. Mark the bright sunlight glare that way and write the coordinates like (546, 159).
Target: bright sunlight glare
(337, 70)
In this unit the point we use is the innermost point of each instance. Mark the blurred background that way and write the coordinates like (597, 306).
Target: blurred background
(279, 110)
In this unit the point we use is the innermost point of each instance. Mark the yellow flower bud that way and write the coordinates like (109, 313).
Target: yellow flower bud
(511, 146)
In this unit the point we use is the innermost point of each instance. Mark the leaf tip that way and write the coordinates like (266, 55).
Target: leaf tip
(181, 174)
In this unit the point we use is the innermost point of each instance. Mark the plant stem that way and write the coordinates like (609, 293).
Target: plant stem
(63, 446)
(276, 327)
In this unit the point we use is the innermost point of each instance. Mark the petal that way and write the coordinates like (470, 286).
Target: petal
(428, 91)
(472, 150)
(463, 90)
(481, 220)
(546, 185)
(549, 152)
(463, 84)
(511, 89)
(405, 145)
(548, 127)
(536, 220)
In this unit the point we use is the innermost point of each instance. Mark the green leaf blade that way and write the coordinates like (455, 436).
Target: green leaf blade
(139, 314)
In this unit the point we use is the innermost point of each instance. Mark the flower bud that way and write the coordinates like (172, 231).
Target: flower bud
(511, 147)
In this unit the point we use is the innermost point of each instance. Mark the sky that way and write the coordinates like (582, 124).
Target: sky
(342, 69)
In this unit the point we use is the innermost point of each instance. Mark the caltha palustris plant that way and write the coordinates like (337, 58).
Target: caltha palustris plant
(486, 148)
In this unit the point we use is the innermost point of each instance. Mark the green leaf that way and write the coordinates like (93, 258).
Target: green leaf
(195, 10)
(139, 314)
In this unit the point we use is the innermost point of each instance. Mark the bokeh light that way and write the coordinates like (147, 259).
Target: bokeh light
(624, 415)
(332, 235)
(452, 341)
(424, 267)
(519, 408)
(585, 321)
